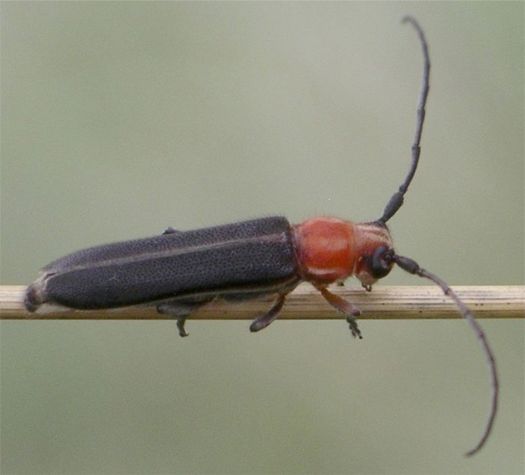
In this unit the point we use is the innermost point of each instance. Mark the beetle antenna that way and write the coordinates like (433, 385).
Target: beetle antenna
(413, 267)
(396, 201)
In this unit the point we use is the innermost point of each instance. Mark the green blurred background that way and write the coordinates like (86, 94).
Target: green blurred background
(120, 119)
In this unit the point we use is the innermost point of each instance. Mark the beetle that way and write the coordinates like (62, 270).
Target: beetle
(179, 271)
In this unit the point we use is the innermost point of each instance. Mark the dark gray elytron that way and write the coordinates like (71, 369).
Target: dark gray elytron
(178, 270)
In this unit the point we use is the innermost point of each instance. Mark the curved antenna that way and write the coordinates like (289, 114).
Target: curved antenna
(413, 267)
(396, 201)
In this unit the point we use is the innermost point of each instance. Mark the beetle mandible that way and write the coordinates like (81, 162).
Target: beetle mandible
(180, 271)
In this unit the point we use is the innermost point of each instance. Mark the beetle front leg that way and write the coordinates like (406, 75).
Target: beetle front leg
(345, 307)
(264, 320)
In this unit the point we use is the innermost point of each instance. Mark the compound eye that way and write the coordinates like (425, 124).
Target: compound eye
(381, 264)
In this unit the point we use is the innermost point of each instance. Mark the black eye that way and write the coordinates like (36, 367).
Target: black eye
(380, 262)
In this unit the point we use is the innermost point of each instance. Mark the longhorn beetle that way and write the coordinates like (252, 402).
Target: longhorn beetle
(180, 271)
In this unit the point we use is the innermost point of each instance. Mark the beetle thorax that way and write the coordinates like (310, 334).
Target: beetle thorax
(325, 249)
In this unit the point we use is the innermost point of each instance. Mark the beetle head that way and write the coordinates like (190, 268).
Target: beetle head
(375, 252)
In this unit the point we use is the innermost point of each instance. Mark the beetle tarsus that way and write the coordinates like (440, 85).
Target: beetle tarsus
(264, 320)
(345, 307)
(180, 325)
(352, 324)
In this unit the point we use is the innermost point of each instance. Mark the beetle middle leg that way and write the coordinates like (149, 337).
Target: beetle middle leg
(345, 307)
(264, 320)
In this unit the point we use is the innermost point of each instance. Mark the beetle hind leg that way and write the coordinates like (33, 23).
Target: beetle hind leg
(181, 321)
(181, 309)
(264, 320)
(345, 307)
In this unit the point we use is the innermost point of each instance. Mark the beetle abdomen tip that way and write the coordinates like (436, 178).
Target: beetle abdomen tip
(33, 297)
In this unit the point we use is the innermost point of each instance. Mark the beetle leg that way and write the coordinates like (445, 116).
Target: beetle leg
(181, 310)
(170, 230)
(181, 321)
(345, 307)
(264, 320)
